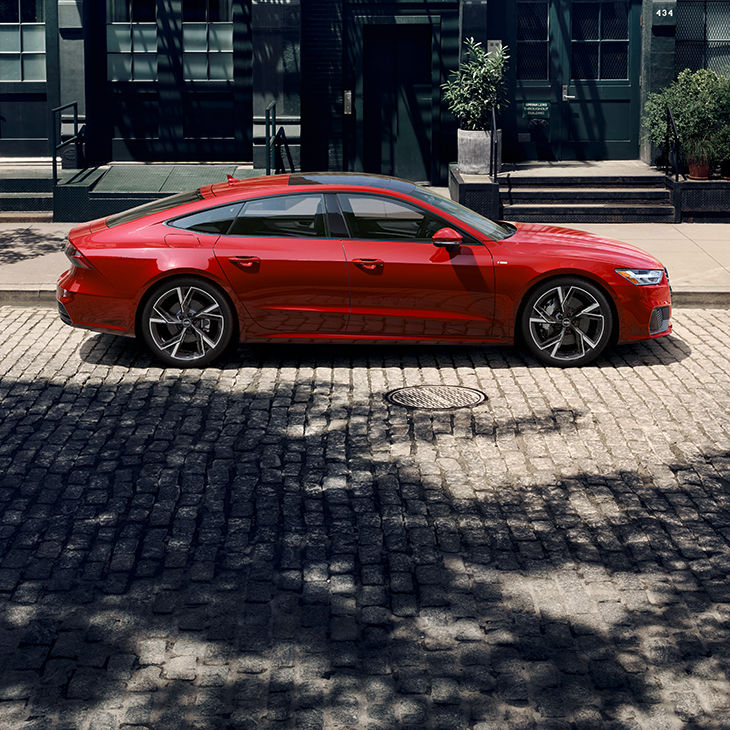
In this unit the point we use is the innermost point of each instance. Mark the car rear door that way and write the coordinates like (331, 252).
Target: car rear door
(401, 285)
(288, 272)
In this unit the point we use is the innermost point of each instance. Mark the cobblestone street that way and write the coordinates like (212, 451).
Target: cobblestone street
(269, 543)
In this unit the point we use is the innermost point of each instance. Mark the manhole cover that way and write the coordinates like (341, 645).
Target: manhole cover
(436, 397)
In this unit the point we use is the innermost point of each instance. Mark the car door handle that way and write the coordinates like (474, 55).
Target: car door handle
(245, 262)
(369, 264)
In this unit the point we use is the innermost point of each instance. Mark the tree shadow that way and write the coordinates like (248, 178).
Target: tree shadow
(105, 349)
(27, 242)
(245, 545)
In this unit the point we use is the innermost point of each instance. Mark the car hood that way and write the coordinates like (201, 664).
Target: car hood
(570, 242)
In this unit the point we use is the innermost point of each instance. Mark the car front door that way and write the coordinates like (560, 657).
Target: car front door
(402, 285)
(285, 268)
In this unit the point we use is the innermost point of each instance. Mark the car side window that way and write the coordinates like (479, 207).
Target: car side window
(212, 220)
(283, 216)
(378, 218)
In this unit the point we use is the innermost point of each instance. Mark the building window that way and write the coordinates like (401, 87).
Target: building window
(600, 40)
(22, 41)
(207, 40)
(131, 36)
(703, 35)
(532, 41)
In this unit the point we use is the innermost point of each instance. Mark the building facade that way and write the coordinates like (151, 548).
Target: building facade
(357, 83)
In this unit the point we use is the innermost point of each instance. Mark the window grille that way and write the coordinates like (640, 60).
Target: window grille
(703, 35)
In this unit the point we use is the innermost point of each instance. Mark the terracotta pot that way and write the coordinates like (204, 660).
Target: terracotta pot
(699, 170)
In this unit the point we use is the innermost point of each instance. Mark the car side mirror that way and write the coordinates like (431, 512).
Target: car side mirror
(447, 238)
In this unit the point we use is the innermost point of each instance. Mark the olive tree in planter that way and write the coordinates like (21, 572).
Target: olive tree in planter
(700, 104)
(471, 93)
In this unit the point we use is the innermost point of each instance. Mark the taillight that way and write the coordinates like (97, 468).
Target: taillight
(76, 257)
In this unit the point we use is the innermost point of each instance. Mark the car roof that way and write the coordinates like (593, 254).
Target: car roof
(279, 182)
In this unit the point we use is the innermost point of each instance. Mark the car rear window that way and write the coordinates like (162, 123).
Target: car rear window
(156, 206)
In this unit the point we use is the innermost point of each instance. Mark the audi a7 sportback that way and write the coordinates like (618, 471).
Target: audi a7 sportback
(338, 257)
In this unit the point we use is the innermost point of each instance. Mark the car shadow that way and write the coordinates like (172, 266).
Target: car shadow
(102, 349)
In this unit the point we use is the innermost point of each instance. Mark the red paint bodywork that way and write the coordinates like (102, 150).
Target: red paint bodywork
(347, 289)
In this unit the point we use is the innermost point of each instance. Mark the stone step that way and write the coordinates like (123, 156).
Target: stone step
(35, 184)
(588, 213)
(26, 201)
(593, 194)
(612, 181)
(26, 216)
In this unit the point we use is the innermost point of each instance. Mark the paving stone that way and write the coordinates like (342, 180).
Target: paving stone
(268, 542)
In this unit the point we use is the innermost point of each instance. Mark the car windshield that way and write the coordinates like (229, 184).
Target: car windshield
(156, 206)
(495, 231)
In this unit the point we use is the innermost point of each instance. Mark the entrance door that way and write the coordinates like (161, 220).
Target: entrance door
(397, 100)
(577, 79)
(391, 72)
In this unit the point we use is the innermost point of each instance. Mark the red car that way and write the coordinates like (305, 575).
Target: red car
(353, 258)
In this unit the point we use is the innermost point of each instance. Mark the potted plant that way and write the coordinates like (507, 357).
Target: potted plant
(700, 154)
(721, 143)
(700, 104)
(471, 93)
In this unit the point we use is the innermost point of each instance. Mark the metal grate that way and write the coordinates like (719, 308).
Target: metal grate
(436, 397)
(659, 320)
(703, 35)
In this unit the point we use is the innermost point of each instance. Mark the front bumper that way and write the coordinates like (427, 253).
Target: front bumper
(638, 305)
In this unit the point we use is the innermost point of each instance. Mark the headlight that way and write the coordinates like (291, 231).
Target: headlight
(642, 277)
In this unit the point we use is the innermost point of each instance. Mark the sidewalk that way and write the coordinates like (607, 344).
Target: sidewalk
(697, 256)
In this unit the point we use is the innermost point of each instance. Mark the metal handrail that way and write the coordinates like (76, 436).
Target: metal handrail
(674, 147)
(270, 137)
(275, 140)
(55, 131)
(494, 148)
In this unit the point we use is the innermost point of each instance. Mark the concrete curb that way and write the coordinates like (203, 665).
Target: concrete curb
(681, 299)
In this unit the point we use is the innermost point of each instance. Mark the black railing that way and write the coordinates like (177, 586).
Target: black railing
(276, 141)
(56, 132)
(672, 148)
(495, 153)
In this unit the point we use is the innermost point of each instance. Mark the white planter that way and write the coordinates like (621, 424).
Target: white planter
(475, 151)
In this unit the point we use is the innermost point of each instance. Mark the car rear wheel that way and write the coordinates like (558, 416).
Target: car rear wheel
(566, 322)
(187, 322)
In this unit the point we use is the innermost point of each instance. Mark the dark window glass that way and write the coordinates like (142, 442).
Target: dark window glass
(31, 10)
(9, 11)
(532, 21)
(194, 11)
(532, 61)
(221, 11)
(119, 11)
(143, 11)
(384, 219)
(286, 216)
(614, 21)
(214, 220)
(585, 61)
(614, 60)
(585, 23)
(156, 206)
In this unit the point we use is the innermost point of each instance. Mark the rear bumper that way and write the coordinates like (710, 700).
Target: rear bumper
(89, 310)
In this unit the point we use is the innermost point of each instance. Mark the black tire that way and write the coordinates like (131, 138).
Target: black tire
(566, 322)
(186, 322)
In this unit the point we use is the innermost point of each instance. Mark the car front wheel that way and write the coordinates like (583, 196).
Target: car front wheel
(566, 322)
(187, 322)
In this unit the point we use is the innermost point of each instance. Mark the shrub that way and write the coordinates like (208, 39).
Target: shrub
(700, 103)
(477, 86)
